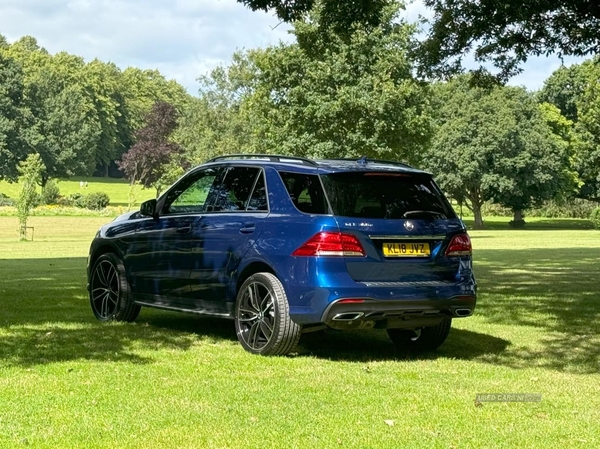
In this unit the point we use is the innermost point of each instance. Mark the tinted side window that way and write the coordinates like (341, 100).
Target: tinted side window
(234, 191)
(258, 200)
(192, 194)
(306, 192)
(385, 195)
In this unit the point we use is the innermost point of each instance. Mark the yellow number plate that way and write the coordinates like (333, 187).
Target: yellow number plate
(408, 249)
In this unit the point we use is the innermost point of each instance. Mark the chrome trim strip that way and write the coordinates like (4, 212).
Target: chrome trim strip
(182, 309)
(408, 237)
(408, 284)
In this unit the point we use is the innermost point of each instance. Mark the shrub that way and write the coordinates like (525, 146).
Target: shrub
(75, 199)
(490, 209)
(51, 193)
(36, 200)
(595, 218)
(96, 201)
(573, 208)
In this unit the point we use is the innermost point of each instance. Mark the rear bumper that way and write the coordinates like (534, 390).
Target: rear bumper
(349, 314)
(321, 305)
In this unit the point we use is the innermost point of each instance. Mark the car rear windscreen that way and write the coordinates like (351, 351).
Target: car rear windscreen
(385, 195)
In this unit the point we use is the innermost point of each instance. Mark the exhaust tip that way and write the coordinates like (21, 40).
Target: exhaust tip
(463, 312)
(348, 316)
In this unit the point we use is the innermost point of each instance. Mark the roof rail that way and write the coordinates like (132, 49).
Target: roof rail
(364, 160)
(270, 157)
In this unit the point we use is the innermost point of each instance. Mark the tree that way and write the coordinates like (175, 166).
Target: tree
(30, 173)
(566, 138)
(146, 160)
(12, 146)
(142, 89)
(507, 32)
(76, 116)
(339, 15)
(574, 90)
(588, 131)
(210, 128)
(495, 144)
(330, 95)
(563, 89)
(61, 124)
(103, 85)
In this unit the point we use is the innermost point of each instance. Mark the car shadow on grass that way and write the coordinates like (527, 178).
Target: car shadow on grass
(374, 345)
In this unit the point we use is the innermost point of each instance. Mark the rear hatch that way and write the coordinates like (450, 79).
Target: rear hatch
(403, 222)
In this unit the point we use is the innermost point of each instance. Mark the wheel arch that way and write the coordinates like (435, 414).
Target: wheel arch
(254, 267)
(104, 248)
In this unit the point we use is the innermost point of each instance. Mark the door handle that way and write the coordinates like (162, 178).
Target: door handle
(184, 229)
(248, 228)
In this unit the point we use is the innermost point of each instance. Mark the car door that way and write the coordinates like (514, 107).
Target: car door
(233, 221)
(161, 263)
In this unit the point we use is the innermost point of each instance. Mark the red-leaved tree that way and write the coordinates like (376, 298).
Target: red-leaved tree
(146, 160)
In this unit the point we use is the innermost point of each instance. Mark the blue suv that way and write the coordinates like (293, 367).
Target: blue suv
(286, 245)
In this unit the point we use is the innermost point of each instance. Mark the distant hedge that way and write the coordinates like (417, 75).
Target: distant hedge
(92, 201)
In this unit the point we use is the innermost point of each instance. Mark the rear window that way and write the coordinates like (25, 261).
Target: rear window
(234, 191)
(258, 200)
(385, 195)
(305, 192)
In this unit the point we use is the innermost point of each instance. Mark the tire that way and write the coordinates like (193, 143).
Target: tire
(421, 340)
(110, 295)
(262, 317)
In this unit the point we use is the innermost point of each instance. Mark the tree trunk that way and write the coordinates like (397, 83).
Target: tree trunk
(518, 221)
(518, 215)
(23, 230)
(477, 214)
(106, 170)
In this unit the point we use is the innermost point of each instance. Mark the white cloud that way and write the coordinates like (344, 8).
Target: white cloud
(182, 38)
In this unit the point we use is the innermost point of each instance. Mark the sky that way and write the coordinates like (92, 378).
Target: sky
(182, 38)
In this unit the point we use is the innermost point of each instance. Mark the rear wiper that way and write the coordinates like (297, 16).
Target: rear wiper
(410, 213)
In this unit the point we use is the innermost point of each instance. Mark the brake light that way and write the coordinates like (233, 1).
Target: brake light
(331, 244)
(460, 245)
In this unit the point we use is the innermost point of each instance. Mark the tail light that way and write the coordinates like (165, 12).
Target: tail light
(460, 245)
(331, 244)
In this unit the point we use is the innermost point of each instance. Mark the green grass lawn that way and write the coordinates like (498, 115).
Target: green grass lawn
(173, 380)
(116, 189)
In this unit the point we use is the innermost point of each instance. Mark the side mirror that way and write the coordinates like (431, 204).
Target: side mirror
(148, 209)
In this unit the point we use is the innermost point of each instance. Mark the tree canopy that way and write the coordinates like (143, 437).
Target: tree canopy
(495, 145)
(574, 90)
(328, 95)
(12, 120)
(76, 116)
(507, 32)
(146, 160)
(338, 15)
